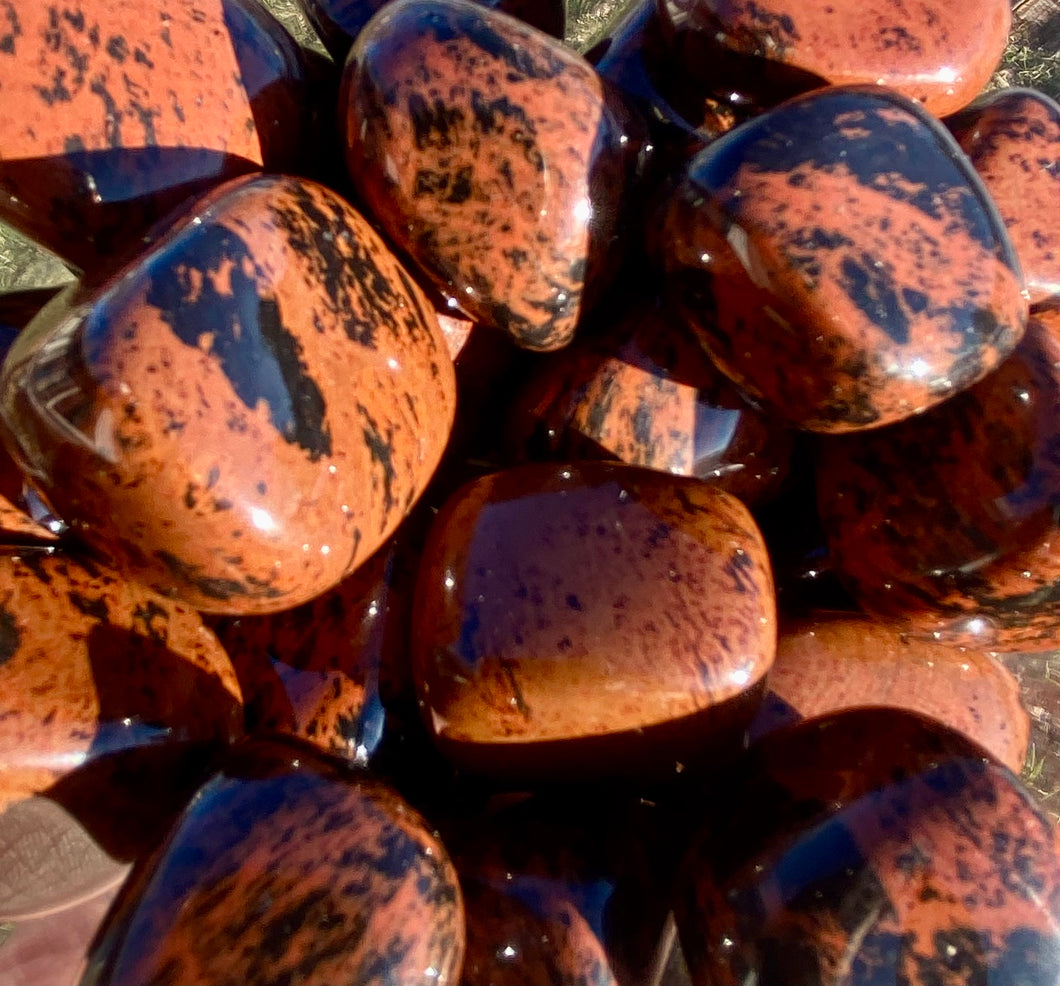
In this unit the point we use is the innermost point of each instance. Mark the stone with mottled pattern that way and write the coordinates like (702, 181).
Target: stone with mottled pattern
(960, 542)
(288, 867)
(244, 413)
(842, 261)
(1013, 139)
(590, 617)
(872, 846)
(494, 156)
(112, 114)
(931, 51)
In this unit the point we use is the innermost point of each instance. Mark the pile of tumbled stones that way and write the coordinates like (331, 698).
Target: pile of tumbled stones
(483, 510)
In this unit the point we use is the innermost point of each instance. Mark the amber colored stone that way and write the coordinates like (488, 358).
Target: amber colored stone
(948, 522)
(494, 156)
(869, 847)
(933, 52)
(842, 261)
(590, 617)
(91, 665)
(246, 412)
(288, 867)
(1013, 138)
(829, 662)
(569, 888)
(339, 22)
(643, 392)
(317, 672)
(112, 115)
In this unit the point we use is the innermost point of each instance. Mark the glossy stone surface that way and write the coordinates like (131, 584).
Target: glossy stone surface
(873, 847)
(112, 115)
(592, 617)
(246, 412)
(829, 662)
(339, 22)
(494, 156)
(932, 52)
(91, 665)
(555, 897)
(643, 392)
(961, 543)
(288, 868)
(842, 261)
(1013, 139)
(314, 672)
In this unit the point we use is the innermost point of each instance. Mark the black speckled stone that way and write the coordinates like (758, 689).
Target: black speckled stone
(842, 261)
(872, 846)
(286, 868)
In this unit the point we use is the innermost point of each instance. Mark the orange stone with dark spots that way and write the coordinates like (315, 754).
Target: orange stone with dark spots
(962, 543)
(841, 260)
(642, 391)
(91, 664)
(288, 867)
(1013, 139)
(112, 114)
(494, 155)
(247, 411)
(831, 661)
(590, 617)
(931, 51)
(872, 846)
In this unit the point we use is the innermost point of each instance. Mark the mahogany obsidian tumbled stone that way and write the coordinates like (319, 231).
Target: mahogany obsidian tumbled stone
(91, 665)
(591, 617)
(948, 522)
(842, 261)
(1013, 139)
(831, 661)
(872, 847)
(339, 22)
(642, 391)
(243, 414)
(288, 868)
(112, 114)
(494, 155)
(932, 51)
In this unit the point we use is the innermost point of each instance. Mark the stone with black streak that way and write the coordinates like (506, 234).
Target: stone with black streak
(642, 391)
(112, 114)
(494, 156)
(243, 414)
(590, 617)
(961, 542)
(930, 51)
(288, 867)
(872, 846)
(1013, 139)
(842, 261)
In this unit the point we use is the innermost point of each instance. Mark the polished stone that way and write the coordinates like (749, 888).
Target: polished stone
(842, 261)
(590, 618)
(872, 846)
(933, 52)
(948, 522)
(112, 116)
(244, 413)
(831, 661)
(641, 390)
(495, 157)
(287, 867)
(1013, 138)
